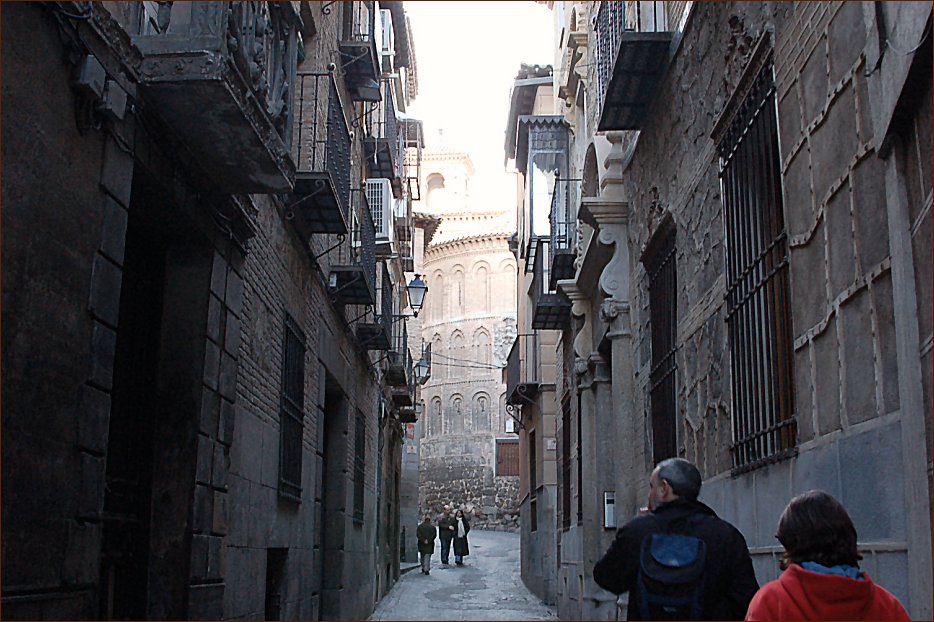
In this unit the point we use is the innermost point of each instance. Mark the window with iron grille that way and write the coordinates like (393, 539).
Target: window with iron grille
(757, 296)
(507, 457)
(663, 312)
(291, 411)
(566, 463)
(359, 466)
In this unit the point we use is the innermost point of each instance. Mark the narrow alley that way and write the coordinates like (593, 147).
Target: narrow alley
(486, 587)
(631, 291)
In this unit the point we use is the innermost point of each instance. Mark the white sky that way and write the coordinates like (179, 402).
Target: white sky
(467, 54)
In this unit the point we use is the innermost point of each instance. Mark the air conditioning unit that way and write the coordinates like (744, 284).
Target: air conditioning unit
(379, 196)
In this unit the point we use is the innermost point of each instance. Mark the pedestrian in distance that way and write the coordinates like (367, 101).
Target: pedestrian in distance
(426, 534)
(462, 528)
(446, 527)
(821, 579)
(677, 559)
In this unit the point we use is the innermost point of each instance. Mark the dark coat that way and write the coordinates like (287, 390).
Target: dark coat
(444, 524)
(729, 580)
(426, 534)
(460, 544)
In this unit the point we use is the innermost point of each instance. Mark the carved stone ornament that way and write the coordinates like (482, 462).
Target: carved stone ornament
(504, 334)
(656, 209)
(616, 315)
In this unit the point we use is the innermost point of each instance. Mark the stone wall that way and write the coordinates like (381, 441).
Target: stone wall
(458, 471)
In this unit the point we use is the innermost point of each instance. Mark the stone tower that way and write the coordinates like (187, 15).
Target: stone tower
(468, 448)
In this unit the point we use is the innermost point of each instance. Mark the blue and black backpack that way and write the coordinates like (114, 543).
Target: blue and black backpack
(671, 576)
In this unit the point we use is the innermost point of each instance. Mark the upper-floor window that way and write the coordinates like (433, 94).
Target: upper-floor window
(663, 311)
(359, 466)
(758, 309)
(291, 410)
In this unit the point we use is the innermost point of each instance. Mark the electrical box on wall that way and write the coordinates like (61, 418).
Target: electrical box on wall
(609, 510)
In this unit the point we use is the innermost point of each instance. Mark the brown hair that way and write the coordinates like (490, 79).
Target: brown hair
(816, 528)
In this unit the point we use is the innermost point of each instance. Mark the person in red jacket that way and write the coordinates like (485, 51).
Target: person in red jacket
(821, 578)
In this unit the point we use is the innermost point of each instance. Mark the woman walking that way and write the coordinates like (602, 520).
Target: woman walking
(462, 528)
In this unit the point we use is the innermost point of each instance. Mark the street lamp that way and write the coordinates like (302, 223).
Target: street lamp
(417, 290)
(423, 366)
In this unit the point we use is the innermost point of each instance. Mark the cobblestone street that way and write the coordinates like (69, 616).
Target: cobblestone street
(487, 587)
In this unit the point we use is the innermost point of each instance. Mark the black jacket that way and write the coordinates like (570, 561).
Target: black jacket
(729, 580)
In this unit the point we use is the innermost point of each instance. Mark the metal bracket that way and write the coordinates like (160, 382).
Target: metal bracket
(510, 409)
(340, 240)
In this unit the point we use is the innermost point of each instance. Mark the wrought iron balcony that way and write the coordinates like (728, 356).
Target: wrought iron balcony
(408, 414)
(631, 56)
(552, 310)
(403, 396)
(522, 371)
(413, 142)
(359, 56)
(383, 144)
(220, 75)
(376, 334)
(399, 372)
(563, 248)
(321, 198)
(353, 282)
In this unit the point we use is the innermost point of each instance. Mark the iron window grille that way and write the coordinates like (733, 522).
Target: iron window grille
(663, 312)
(291, 411)
(359, 466)
(757, 296)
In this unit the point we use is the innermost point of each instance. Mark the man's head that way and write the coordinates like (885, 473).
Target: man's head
(427, 517)
(447, 510)
(674, 478)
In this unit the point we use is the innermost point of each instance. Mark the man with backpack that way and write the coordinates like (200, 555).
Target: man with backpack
(678, 560)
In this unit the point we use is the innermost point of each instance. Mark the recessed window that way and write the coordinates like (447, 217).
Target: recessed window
(758, 310)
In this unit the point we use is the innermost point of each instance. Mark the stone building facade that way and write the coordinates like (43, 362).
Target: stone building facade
(194, 424)
(469, 322)
(535, 140)
(748, 224)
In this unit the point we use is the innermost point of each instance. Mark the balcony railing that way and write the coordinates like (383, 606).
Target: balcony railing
(353, 282)
(631, 55)
(399, 363)
(551, 309)
(413, 141)
(321, 198)
(563, 247)
(383, 144)
(359, 56)
(375, 331)
(522, 371)
(221, 74)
